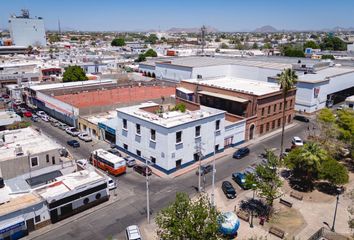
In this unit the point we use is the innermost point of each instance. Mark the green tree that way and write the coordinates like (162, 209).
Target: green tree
(327, 56)
(224, 46)
(118, 42)
(345, 123)
(333, 43)
(255, 46)
(217, 39)
(141, 58)
(150, 53)
(54, 38)
(287, 80)
(305, 161)
(266, 179)
(328, 132)
(311, 44)
(74, 38)
(74, 74)
(267, 45)
(188, 219)
(152, 39)
(334, 172)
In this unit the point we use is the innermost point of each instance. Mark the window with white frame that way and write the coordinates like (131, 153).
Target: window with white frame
(138, 130)
(152, 134)
(197, 131)
(34, 161)
(179, 137)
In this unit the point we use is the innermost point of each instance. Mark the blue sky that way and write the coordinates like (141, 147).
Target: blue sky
(225, 15)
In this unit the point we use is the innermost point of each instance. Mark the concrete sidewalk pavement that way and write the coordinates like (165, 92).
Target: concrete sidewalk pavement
(226, 152)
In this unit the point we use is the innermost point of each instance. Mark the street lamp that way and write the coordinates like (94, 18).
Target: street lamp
(339, 190)
(254, 189)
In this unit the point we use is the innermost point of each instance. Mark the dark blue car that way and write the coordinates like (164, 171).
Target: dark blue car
(240, 179)
(73, 143)
(241, 152)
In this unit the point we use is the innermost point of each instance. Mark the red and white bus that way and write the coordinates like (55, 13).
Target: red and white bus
(109, 162)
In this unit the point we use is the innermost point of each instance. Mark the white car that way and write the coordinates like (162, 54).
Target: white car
(111, 184)
(133, 233)
(82, 163)
(85, 137)
(41, 113)
(72, 131)
(297, 141)
(45, 118)
(18, 102)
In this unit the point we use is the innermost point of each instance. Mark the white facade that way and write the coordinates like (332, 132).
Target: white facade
(27, 31)
(313, 90)
(167, 153)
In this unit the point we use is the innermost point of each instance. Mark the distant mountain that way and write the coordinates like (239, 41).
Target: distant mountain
(191, 30)
(338, 29)
(266, 29)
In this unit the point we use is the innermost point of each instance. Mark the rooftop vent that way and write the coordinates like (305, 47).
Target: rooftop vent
(18, 150)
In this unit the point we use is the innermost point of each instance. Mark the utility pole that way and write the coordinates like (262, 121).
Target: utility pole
(213, 177)
(199, 154)
(203, 30)
(147, 191)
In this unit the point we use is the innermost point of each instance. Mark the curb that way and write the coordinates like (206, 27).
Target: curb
(52, 227)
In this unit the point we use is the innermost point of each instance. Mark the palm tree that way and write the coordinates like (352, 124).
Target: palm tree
(287, 80)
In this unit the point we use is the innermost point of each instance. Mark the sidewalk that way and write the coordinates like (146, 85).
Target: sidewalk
(69, 220)
(226, 152)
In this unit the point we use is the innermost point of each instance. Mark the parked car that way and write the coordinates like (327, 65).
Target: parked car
(82, 163)
(204, 169)
(297, 141)
(53, 121)
(73, 143)
(142, 170)
(27, 114)
(242, 152)
(130, 161)
(45, 118)
(114, 151)
(35, 118)
(62, 126)
(133, 233)
(18, 102)
(41, 113)
(301, 118)
(240, 179)
(228, 190)
(111, 184)
(249, 170)
(85, 137)
(72, 131)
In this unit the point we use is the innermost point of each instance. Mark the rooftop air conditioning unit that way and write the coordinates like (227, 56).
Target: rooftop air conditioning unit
(18, 150)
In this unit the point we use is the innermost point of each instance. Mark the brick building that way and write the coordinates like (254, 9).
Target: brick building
(260, 103)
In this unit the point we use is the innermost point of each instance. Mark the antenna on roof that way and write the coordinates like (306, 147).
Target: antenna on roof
(25, 13)
(203, 30)
(59, 28)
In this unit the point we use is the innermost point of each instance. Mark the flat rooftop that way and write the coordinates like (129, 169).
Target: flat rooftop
(70, 182)
(196, 61)
(40, 87)
(247, 86)
(169, 119)
(30, 140)
(324, 74)
(101, 117)
(15, 202)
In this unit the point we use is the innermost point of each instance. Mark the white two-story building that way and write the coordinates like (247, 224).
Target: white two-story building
(174, 139)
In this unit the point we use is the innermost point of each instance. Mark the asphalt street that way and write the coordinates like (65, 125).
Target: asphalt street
(130, 208)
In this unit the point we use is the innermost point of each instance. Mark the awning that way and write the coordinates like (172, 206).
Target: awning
(223, 96)
(184, 90)
(11, 224)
